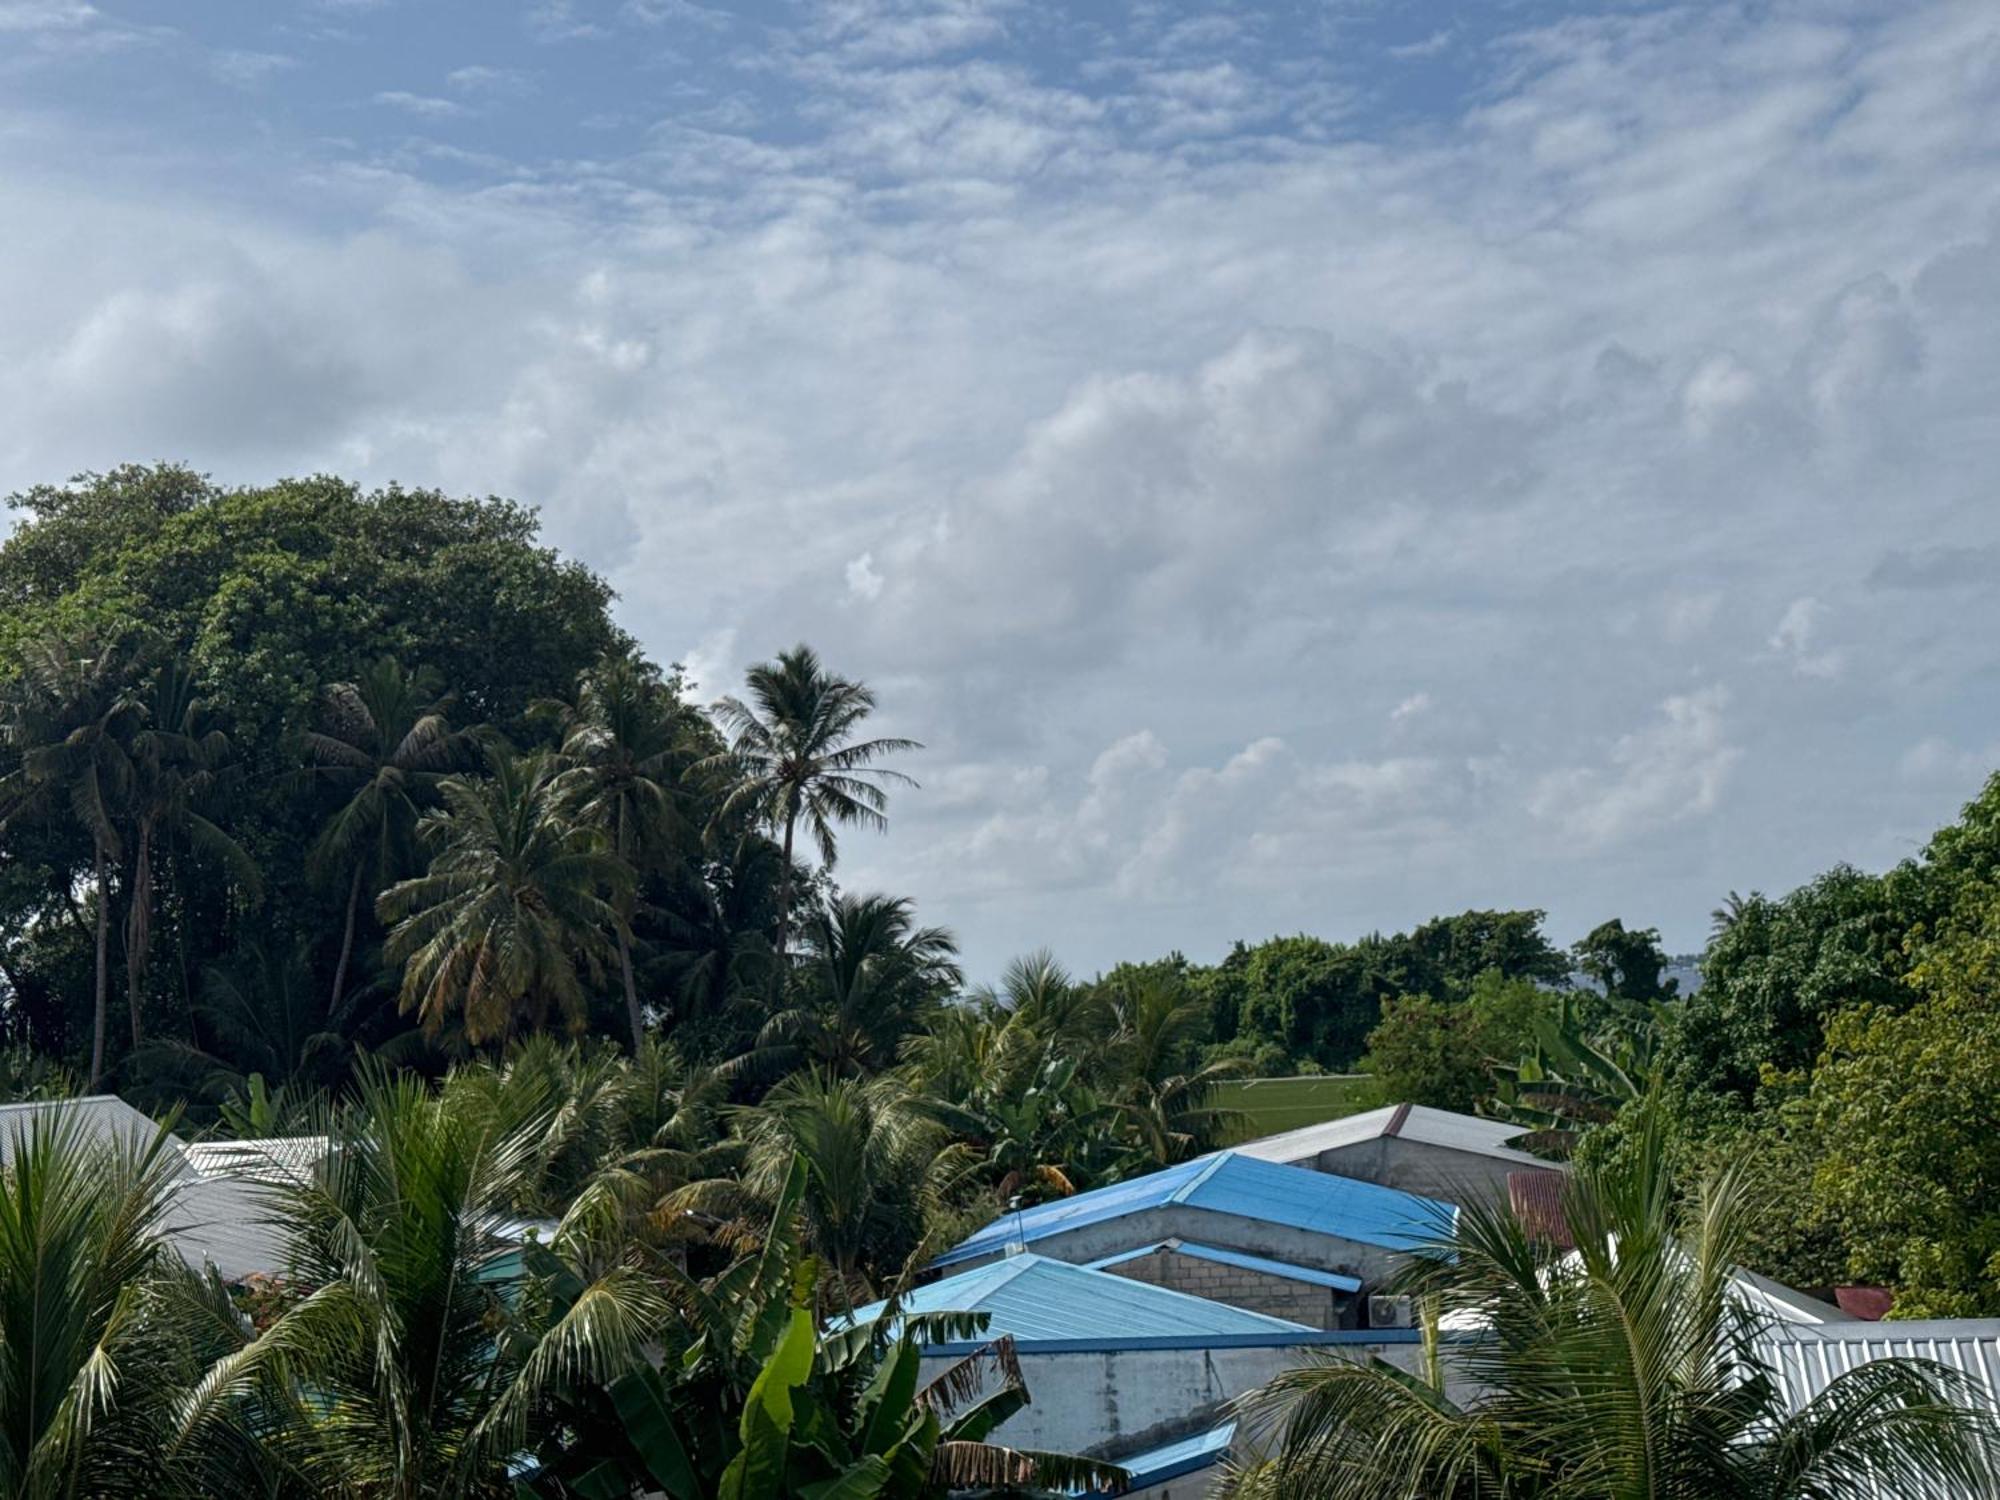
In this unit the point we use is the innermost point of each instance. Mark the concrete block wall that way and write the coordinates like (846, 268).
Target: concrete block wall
(1256, 1291)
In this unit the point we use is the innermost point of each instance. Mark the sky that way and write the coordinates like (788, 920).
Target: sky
(1296, 466)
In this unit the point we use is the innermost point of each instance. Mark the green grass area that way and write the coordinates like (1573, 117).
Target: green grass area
(1269, 1105)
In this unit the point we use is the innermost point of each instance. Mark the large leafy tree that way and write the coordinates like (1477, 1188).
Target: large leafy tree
(177, 762)
(795, 756)
(267, 597)
(516, 913)
(69, 721)
(624, 743)
(1620, 1368)
(1904, 1108)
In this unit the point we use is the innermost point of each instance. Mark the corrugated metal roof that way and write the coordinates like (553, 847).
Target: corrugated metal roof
(1188, 1455)
(1808, 1356)
(1230, 1182)
(1407, 1122)
(99, 1117)
(273, 1159)
(1031, 1297)
(1215, 1253)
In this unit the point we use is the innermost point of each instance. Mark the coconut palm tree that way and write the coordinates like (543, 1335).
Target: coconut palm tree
(1166, 1099)
(87, 1369)
(68, 723)
(793, 757)
(865, 1158)
(1612, 1362)
(517, 909)
(408, 1362)
(175, 764)
(871, 976)
(386, 743)
(624, 746)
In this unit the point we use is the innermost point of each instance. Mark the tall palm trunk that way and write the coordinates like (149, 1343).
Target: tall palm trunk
(632, 1014)
(785, 895)
(139, 931)
(346, 939)
(103, 1005)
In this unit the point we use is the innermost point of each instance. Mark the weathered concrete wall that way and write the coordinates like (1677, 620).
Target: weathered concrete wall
(1258, 1291)
(1418, 1167)
(1301, 1247)
(1129, 1400)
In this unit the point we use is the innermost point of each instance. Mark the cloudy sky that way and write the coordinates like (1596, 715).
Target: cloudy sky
(1297, 465)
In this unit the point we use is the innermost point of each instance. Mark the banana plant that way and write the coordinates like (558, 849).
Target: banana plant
(1573, 1080)
(752, 1400)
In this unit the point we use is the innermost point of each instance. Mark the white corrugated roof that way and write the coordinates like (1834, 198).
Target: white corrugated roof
(1807, 1357)
(1407, 1122)
(279, 1158)
(102, 1117)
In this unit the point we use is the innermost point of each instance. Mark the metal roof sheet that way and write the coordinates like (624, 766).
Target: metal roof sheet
(1808, 1356)
(1186, 1455)
(99, 1118)
(1217, 1254)
(1031, 1298)
(1405, 1122)
(1229, 1182)
(282, 1159)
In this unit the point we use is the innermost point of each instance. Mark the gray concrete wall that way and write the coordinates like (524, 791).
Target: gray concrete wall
(1129, 1400)
(1301, 1247)
(1258, 1291)
(1417, 1167)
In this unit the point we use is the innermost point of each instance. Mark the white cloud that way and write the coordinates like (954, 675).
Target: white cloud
(46, 15)
(426, 105)
(863, 582)
(1798, 633)
(1652, 778)
(1035, 395)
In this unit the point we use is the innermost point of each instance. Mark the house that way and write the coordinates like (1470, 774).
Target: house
(1116, 1367)
(1033, 1299)
(1317, 1299)
(1230, 1201)
(1431, 1152)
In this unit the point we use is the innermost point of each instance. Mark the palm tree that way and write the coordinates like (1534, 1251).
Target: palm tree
(68, 722)
(516, 909)
(174, 764)
(410, 1359)
(793, 756)
(871, 977)
(1727, 915)
(623, 741)
(1621, 1367)
(865, 1159)
(387, 743)
(1166, 1098)
(87, 1332)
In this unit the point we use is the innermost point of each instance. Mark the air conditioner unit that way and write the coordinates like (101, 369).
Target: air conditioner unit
(1389, 1312)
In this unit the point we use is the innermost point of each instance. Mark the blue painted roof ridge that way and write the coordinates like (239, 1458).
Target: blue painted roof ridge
(1182, 1193)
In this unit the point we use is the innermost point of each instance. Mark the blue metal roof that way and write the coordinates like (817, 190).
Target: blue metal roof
(1215, 1253)
(1231, 1183)
(1036, 1299)
(1172, 1460)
